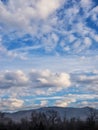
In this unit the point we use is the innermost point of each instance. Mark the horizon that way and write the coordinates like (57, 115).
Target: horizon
(47, 107)
(48, 54)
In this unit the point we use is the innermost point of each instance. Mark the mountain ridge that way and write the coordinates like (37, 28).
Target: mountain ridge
(62, 112)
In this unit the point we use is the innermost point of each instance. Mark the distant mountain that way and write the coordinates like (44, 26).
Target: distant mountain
(68, 113)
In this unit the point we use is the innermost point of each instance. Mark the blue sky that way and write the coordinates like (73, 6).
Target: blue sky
(48, 53)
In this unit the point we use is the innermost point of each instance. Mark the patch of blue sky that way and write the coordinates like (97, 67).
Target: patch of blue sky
(37, 52)
(15, 43)
(6, 96)
(4, 1)
(94, 48)
(96, 1)
(30, 97)
(92, 24)
(75, 90)
(91, 101)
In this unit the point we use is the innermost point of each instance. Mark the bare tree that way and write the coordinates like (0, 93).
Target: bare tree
(91, 118)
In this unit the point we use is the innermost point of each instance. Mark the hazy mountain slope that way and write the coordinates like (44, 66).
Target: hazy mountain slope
(69, 113)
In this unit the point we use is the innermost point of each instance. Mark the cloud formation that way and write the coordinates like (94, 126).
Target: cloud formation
(15, 12)
(88, 79)
(36, 89)
(36, 79)
(48, 79)
(45, 23)
(10, 104)
(60, 37)
(12, 79)
(64, 103)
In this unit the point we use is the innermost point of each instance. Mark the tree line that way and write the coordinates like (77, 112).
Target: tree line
(50, 121)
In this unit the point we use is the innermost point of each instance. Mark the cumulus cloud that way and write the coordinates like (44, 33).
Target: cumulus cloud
(40, 85)
(48, 79)
(45, 7)
(43, 103)
(64, 102)
(15, 12)
(10, 104)
(35, 78)
(77, 100)
(11, 79)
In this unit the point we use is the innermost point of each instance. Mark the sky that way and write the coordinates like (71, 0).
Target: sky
(48, 54)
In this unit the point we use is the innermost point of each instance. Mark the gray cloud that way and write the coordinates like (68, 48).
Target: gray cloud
(18, 84)
(11, 79)
(85, 78)
(86, 81)
(37, 79)
(87, 103)
(46, 79)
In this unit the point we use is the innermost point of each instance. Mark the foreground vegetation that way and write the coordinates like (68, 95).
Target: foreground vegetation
(39, 121)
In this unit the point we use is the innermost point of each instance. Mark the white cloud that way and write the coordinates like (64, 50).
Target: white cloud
(50, 42)
(81, 45)
(16, 103)
(87, 41)
(46, 8)
(43, 103)
(61, 104)
(72, 38)
(10, 104)
(95, 37)
(20, 14)
(39, 19)
(86, 4)
(44, 83)
(64, 102)
(50, 79)
(35, 79)
(94, 15)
